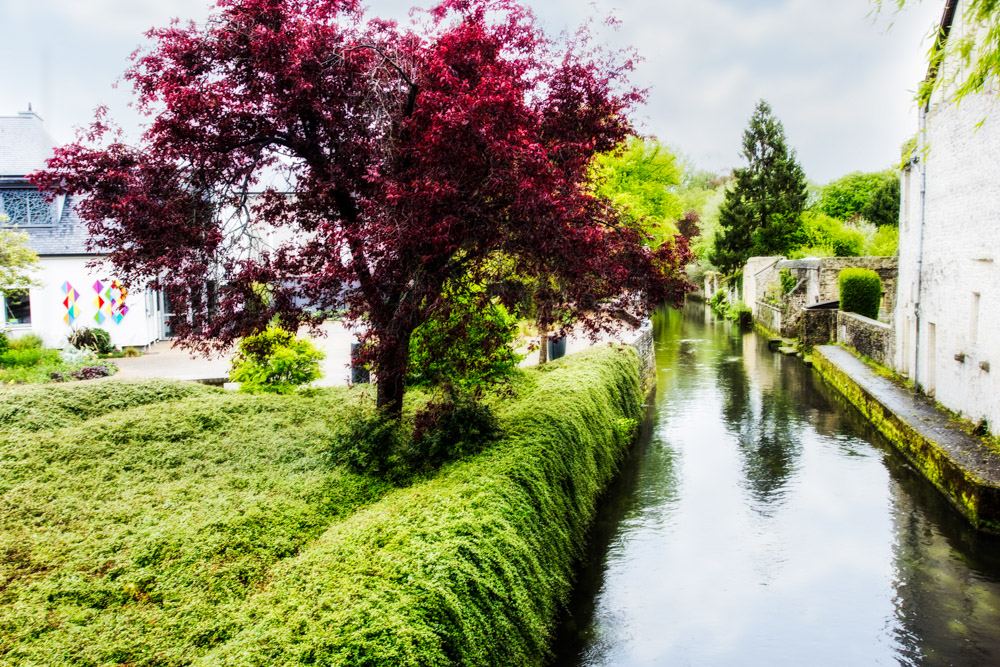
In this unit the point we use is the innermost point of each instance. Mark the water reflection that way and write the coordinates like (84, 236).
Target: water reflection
(761, 521)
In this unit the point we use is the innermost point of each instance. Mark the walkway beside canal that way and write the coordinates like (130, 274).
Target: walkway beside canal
(960, 465)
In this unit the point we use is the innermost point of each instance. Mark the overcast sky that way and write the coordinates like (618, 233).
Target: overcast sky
(840, 78)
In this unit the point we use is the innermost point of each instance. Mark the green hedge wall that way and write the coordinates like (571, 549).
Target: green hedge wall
(470, 567)
(860, 292)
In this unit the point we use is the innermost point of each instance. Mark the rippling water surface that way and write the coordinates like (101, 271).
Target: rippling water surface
(761, 521)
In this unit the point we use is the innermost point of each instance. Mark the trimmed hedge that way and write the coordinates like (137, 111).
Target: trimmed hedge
(472, 566)
(215, 531)
(38, 407)
(860, 292)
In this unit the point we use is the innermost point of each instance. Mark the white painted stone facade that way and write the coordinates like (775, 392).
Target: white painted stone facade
(954, 290)
(138, 324)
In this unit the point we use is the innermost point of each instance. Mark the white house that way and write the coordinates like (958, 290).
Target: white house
(948, 293)
(71, 292)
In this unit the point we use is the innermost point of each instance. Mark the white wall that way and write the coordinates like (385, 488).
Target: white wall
(139, 326)
(961, 257)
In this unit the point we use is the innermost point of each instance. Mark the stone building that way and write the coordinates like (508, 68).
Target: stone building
(71, 292)
(948, 301)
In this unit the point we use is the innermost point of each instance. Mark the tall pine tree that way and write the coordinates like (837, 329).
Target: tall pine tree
(762, 213)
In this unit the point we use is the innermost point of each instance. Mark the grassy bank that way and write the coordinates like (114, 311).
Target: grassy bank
(212, 529)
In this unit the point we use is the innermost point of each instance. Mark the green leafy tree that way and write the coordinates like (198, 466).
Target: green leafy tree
(873, 196)
(640, 179)
(976, 52)
(17, 260)
(761, 214)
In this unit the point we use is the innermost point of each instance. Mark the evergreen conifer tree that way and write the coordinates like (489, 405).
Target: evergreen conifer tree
(762, 212)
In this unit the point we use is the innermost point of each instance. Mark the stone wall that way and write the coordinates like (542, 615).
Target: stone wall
(818, 327)
(769, 317)
(642, 341)
(874, 339)
(759, 273)
(885, 267)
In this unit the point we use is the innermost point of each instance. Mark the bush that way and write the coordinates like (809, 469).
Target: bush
(84, 373)
(860, 292)
(95, 340)
(4, 342)
(443, 430)
(275, 361)
(468, 343)
(27, 342)
(470, 567)
(831, 237)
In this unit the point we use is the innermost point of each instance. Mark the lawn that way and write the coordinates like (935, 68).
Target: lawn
(168, 524)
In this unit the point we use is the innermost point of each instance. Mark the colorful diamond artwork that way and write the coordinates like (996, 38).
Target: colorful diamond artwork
(69, 303)
(110, 301)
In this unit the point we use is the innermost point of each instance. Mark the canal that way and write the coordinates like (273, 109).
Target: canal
(761, 521)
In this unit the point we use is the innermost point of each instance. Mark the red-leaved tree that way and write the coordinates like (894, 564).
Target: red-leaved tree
(315, 160)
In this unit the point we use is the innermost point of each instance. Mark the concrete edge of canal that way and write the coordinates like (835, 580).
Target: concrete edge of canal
(959, 465)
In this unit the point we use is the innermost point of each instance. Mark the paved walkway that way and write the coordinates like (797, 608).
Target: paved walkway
(165, 361)
(920, 413)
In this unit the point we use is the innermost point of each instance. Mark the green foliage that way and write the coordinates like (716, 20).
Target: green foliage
(860, 292)
(96, 340)
(275, 361)
(788, 281)
(737, 311)
(884, 243)
(35, 408)
(973, 53)
(212, 530)
(26, 362)
(640, 178)
(17, 261)
(829, 237)
(141, 518)
(823, 231)
(761, 213)
(468, 343)
(871, 196)
(442, 430)
(4, 342)
(26, 342)
(472, 566)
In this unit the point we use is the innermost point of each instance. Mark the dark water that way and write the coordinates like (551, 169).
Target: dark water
(761, 521)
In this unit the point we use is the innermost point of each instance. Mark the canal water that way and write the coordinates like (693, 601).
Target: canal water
(761, 521)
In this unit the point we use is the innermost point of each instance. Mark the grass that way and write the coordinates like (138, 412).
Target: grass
(211, 528)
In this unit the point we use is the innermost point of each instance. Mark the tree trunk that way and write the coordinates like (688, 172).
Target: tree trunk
(390, 374)
(543, 348)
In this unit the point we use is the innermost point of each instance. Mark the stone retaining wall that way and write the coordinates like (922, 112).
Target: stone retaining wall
(818, 327)
(876, 340)
(769, 317)
(643, 343)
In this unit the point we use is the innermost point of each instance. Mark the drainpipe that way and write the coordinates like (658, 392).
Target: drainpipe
(922, 162)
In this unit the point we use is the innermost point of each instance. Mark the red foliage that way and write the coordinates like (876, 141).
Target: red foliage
(415, 154)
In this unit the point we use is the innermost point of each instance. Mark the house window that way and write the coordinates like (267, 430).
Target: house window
(26, 208)
(16, 307)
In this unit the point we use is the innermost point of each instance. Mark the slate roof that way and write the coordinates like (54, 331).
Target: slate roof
(24, 147)
(24, 144)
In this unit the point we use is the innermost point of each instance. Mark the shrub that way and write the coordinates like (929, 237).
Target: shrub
(92, 339)
(470, 567)
(884, 242)
(4, 342)
(832, 237)
(860, 292)
(275, 361)
(372, 444)
(450, 428)
(443, 430)
(26, 342)
(25, 357)
(132, 352)
(468, 343)
(85, 373)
